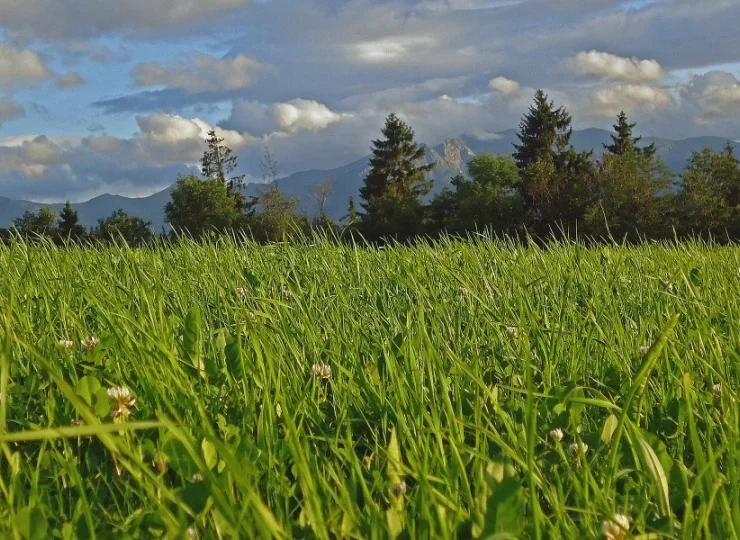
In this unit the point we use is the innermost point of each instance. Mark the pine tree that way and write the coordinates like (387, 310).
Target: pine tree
(542, 131)
(68, 226)
(623, 143)
(395, 169)
(218, 162)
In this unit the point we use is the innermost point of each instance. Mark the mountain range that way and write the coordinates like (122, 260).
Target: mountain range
(450, 158)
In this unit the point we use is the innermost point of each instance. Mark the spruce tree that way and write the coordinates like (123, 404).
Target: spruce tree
(542, 131)
(396, 181)
(623, 143)
(554, 175)
(396, 171)
(68, 226)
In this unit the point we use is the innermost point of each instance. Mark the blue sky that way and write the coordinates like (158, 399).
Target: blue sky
(102, 97)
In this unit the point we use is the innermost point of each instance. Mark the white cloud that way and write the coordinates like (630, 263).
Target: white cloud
(20, 67)
(721, 100)
(390, 49)
(290, 117)
(202, 73)
(303, 114)
(610, 100)
(504, 86)
(607, 66)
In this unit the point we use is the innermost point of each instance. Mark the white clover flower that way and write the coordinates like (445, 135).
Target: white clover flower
(557, 434)
(122, 400)
(578, 448)
(616, 528)
(241, 292)
(644, 351)
(66, 344)
(717, 389)
(322, 371)
(90, 343)
(513, 332)
(197, 477)
(286, 293)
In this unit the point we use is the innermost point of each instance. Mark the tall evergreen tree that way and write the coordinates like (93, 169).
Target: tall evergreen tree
(554, 175)
(396, 181)
(68, 225)
(396, 171)
(623, 143)
(542, 131)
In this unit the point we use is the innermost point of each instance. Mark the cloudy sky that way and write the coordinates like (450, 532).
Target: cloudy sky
(116, 96)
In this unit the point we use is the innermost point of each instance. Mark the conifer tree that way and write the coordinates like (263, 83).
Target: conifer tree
(542, 131)
(396, 171)
(217, 163)
(623, 143)
(68, 226)
(394, 185)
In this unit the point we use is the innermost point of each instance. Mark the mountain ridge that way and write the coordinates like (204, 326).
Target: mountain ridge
(450, 156)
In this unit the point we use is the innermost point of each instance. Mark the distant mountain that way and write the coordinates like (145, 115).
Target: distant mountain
(450, 157)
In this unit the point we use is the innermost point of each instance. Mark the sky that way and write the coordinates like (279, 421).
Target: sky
(104, 96)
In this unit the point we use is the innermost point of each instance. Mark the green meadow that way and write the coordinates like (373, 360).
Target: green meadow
(451, 389)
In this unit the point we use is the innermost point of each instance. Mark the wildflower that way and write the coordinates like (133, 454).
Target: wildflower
(513, 332)
(616, 528)
(197, 477)
(122, 401)
(322, 371)
(399, 489)
(644, 351)
(241, 292)
(577, 450)
(557, 434)
(286, 293)
(66, 344)
(717, 389)
(90, 343)
(78, 422)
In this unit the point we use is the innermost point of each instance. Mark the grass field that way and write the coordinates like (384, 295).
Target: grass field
(453, 390)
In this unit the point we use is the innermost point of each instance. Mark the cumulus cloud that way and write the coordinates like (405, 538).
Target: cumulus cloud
(68, 19)
(70, 80)
(202, 73)
(290, 117)
(20, 67)
(504, 86)
(607, 66)
(609, 101)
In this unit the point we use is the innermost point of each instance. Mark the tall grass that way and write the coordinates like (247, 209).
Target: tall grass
(454, 369)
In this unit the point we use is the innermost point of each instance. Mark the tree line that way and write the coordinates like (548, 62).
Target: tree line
(545, 187)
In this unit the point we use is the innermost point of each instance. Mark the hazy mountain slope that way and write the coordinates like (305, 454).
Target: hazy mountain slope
(450, 157)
